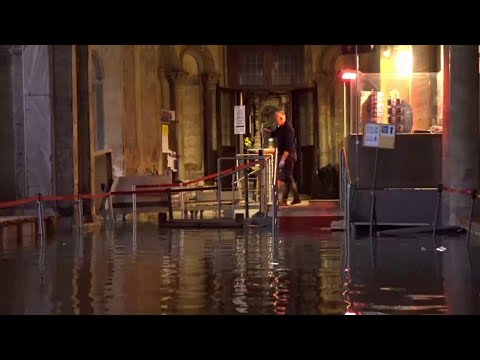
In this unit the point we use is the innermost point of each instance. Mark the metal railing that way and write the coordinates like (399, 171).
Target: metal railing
(267, 182)
(270, 169)
(344, 177)
(266, 172)
(345, 184)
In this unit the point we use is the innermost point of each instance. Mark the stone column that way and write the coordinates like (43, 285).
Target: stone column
(137, 61)
(460, 140)
(84, 174)
(63, 124)
(19, 118)
(177, 81)
(37, 92)
(165, 98)
(162, 77)
(322, 82)
(210, 82)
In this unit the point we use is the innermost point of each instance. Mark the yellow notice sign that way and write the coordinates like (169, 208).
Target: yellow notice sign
(164, 130)
(165, 139)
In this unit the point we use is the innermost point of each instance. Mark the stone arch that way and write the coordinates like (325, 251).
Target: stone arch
(206, 63)
(327, 59)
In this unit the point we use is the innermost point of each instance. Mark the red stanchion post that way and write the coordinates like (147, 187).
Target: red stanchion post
(437, 208)
(110, 208)
(170, 205)
(80, 213)
(182, 200)
(134, 202)
(41, 226)
(474, 194)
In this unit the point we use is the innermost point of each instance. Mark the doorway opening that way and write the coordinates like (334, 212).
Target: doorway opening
(260, 107)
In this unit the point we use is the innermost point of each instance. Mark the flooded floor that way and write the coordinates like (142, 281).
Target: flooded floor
(147, 270)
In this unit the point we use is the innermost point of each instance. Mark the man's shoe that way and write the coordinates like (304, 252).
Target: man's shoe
(296, 201)
(282, 203)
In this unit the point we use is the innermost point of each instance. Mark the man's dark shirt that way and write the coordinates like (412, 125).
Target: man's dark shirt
(285, 136)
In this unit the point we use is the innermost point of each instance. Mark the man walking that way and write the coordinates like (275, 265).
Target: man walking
(287, 155)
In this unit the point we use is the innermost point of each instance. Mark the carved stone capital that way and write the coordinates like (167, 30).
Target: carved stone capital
(211, 80)
(177, 78)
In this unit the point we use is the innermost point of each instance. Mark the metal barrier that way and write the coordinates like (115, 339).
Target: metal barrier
(341, 171)
(261, 160)
(41, 225)
(269, 191)
(271, 165)
(345, 186)
(344, 177)
(267, 178)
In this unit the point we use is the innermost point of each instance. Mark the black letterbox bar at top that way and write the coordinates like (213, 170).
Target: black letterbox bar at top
(362, 49)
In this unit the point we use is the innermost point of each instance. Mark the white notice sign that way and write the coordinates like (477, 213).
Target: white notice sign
(239, 119)
(379, 136)
(371, 137)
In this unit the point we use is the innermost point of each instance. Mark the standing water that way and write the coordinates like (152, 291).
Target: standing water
(148, 270)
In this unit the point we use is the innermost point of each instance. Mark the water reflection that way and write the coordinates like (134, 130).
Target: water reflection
(460, 293)
(141, 269)
(409, 276)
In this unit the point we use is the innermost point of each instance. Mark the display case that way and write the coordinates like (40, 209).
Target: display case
(413, 102)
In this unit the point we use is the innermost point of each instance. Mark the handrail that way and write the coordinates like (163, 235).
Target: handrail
(242, 178)
(345, 179)
(257, 159)
(344, 153)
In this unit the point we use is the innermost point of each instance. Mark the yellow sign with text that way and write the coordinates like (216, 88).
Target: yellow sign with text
(164, 130)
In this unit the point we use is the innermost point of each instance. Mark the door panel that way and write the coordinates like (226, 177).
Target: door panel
(226, 139)
(304, 120)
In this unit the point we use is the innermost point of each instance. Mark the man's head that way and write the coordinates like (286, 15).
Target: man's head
(280, 118)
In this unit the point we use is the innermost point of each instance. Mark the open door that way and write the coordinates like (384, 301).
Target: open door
(304, 114)
(227, 141)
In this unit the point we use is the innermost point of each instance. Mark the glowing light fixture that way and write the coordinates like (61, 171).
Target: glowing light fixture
(404, 62)
(347, 75)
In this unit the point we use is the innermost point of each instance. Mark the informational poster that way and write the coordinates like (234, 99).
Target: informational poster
(239, 119)
(165, 148)
(172, 160)
(379, 136)
(167, 116)
(371, 135)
